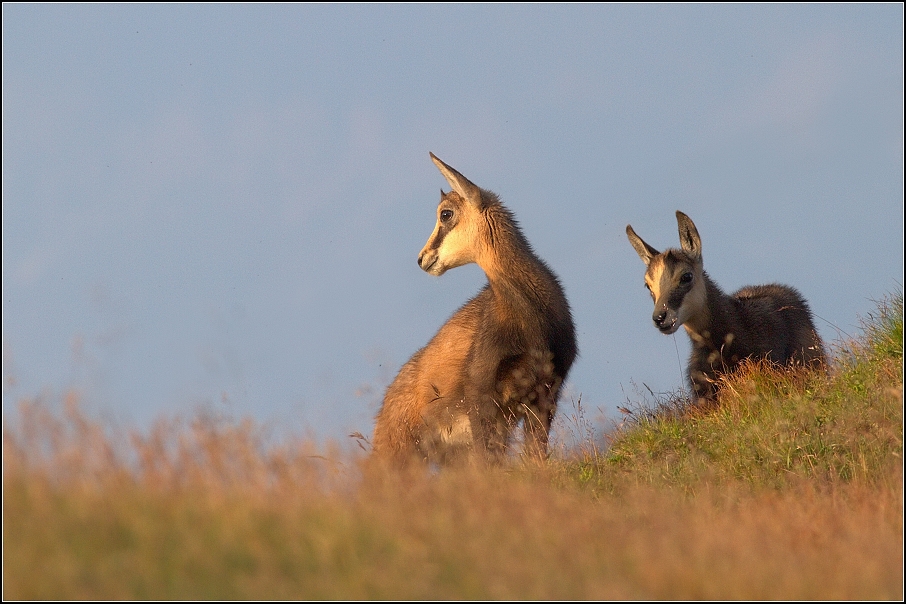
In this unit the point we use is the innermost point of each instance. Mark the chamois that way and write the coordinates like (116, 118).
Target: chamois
(770, 322)
(500, 359)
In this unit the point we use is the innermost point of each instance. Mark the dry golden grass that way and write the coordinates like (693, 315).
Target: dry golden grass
(208, 510)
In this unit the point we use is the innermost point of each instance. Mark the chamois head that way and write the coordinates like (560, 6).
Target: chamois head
(458, 235)
(674, 277)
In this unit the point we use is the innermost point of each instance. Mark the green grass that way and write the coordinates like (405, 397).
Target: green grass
(792, 488)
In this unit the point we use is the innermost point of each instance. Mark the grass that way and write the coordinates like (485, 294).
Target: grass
(791, 489)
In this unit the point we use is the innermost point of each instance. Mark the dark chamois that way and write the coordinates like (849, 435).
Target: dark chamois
(770, 322)
(500, 359)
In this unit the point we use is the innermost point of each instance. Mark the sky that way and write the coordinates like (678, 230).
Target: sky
(220, 207)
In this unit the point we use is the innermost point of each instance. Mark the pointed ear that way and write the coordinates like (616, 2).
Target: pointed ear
(688, 235)
(458, 182)
(645, 251)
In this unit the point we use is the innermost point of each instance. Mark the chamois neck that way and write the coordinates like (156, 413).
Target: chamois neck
(710, 323)
(511, 266)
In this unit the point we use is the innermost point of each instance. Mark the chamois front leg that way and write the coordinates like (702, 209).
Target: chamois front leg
(491, 425)
(491, 417)
(537, 423)
(704, 388)
(540, 404)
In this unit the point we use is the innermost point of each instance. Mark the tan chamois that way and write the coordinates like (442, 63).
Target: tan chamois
(770, 322)
(500, 359)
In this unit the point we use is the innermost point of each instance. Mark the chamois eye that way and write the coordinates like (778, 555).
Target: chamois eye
(686, 278)
(446, 215)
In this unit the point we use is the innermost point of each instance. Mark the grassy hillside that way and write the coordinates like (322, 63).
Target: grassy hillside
(775, 428)
(791, 488)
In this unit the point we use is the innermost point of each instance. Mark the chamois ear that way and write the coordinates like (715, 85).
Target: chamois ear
(688, 235)
(645, 251)
(458, 182)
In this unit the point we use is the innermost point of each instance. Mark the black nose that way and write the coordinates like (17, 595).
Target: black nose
(660, 318)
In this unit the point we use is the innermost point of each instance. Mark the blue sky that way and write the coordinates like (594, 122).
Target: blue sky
(221, 206)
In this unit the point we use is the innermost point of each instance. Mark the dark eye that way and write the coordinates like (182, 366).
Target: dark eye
(686, 278)
(446, 215)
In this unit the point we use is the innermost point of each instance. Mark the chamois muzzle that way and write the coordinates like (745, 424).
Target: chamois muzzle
(665, 320)
(427, 260)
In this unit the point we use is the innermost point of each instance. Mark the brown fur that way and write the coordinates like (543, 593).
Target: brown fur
(771, 322)
(500, 359)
